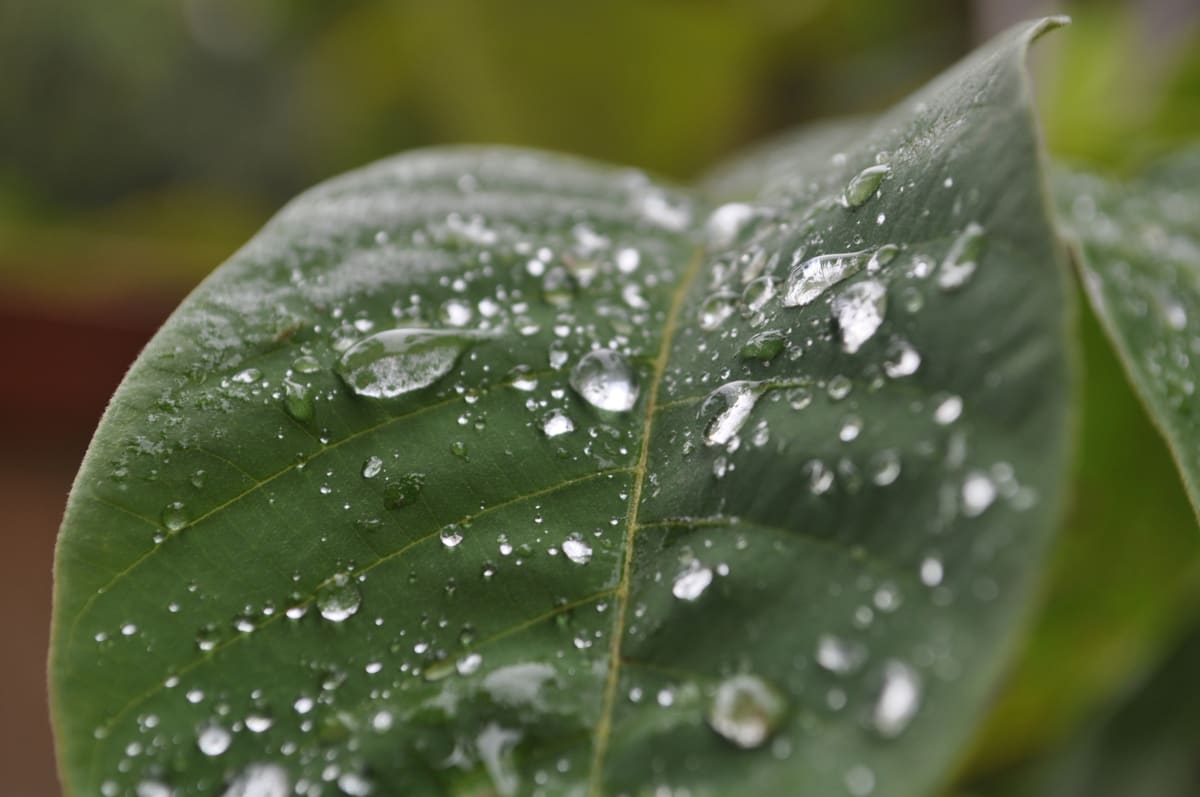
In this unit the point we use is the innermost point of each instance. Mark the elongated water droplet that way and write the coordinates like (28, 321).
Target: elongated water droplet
(863, 185)
(839, 656)
(962, 258)
(577, 550)
(859, 311)
(398, 361)
(298, 399)
(810, 279)
(403, 491)
(764, 346)
(340, 599)
(728, 407)
(606, 380)
(746, 710)
(691, 583)
(899, 699)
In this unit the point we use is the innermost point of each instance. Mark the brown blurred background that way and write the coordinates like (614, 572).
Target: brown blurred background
(141, 142)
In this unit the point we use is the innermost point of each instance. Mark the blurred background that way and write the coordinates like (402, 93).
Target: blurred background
(142, 142)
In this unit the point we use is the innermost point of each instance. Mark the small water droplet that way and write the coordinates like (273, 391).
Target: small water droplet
(883, 255)
(261, 780)
(606, 380)
(716, 309)
(556, 423)
(451, 535)
(948, 410)
(838, 655)
(726, 222)
(691, 582)
(398, 361)
(297, 399)
(860, 781)
(898, 701)
(764, 345)
(962, 258)
(306, 364)
(371, 467)
(746, 710)
(810, 279)
(213, 739)
(978, 493)
(403, 491)
(863, 185)
(903, 360)
(931, 571)
(859, 311)
(174, 516)
(259, 722)
(340, 599)
(577, 550)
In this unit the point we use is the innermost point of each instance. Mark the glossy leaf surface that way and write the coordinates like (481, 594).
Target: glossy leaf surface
(490, 472)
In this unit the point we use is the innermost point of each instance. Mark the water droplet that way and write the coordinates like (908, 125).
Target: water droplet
(885, 467)
(259, 722)
(978, 493)
(691, 582)
(859, 311)
(746, 710)
(306, 364)
(851, 427)
(903, 360)
(863, 185)
(839, 656)
(810, 279)
(403, 491)
(469, 664)
(174, 516)
(213, 740)
(757, 293)
(860, 781)
(628, 260)
(248, 376)
(606, 380)
(207, 638)
(451, 535)
(354, 785)
(456, 313)
(948, 410)
(297, 399)
(898, 700)
(931, 571)
(764, 345)
(556, 423)
(883, 255)
(398, 361)
(372, 467)
(962, 258)
(577, 550)
(715, 309)
(261, 780)
(340, 599)
(729, 407)
(151, 788)
(726, 222)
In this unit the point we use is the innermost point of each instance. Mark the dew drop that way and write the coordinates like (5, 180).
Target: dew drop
(863, 185)
(577, 550)
(556, 423)
(297, 399)
(372, 467)
(174, 516)
(691, 583)
(403, 491)
(729, 406)
(213, 740)
(978, 493)
(716, 309)
(259, 722)
(763, 346)
(606, 380)
(398, 361)
(860, 781)
(898, 701)
(261, 780)
(948, 410)
(932, 571)
(745, 710)
(810, 279)
(839, 656)
(859, 311)
(451, 535)
(962, 258)
(903, 360)
(340, 599)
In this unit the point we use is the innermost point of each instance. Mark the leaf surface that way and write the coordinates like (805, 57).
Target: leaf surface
(490, 472)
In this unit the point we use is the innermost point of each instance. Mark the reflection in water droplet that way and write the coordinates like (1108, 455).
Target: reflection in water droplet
(691, 583)
(451, 535)
(903, 360)
(715, 309)
(398, 361)
(340, 599)
(898, 700)
(962, 258)
(728, 407)
(859, 311)
(606, 380)
(297, 399)
(808, 280)
(577, 550)
(746, 710)
(261, 780)
(864, 184)
(174, 516)
(213, 740)
(556, 423)
(763, 346)
(372, 467)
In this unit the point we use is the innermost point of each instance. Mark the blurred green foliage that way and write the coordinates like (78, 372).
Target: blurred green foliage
(143, 141)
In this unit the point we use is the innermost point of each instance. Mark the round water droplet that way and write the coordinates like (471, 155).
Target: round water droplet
(340, 599)
(903, 360)
(606, 380)
(577, 550)
(174, 516)
(764, 346)
(213, 740)
(398, 361)
(978, 493)
(860, 781)
(691, 583)
(403, 491)
(746, 710)
(354, 784)
(451, 535)
(557, 423)
(259, 722)
(863, 185)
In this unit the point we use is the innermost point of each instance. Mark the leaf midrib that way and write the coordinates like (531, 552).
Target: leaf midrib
(604, 723)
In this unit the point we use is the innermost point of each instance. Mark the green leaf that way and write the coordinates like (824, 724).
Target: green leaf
(1144, 743)
(489, 472)
(1138, 246)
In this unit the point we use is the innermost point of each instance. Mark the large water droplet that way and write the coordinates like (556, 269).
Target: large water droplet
(606, 380)
(859, 311)
(962, 258)
(398, 361)
(340, 599)
(746, 710)
(863, 185)
(808, 280)
(898, 700)
(728, 407)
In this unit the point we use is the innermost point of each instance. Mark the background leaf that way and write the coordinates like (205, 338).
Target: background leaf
(815, 541)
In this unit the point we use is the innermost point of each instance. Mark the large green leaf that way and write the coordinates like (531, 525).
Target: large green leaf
(1138, 245)
(488, 472)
